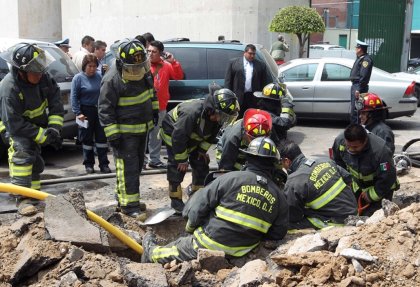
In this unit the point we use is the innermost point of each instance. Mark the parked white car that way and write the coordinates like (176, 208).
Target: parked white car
(321, 88)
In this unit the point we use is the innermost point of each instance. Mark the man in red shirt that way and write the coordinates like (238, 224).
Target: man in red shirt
(164, 67)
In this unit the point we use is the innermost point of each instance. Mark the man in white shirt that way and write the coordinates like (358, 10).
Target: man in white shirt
(246, 75)
(87, 47)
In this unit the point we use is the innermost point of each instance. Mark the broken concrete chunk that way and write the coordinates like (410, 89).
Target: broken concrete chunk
(308, 243)
(251, 273)
(357, 254)
(376, 217)
(185, 274)
(389, 207)
(63, 223)
(69, 279)
(145, 275)
(212, 260)
(357, 266)
(75, 254)
(20, 226)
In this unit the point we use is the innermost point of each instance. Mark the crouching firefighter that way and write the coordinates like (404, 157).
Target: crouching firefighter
(32, 113)
(128, 109)
(188, 132)
(233, 213)
(318, 192)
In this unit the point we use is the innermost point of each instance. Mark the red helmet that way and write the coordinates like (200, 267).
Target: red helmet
(257, 123)
(372, 102)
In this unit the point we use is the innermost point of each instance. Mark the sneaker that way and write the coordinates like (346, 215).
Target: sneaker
(159, 165)
(105, 169)
(178, 205)
(89, 170)
(148, 242)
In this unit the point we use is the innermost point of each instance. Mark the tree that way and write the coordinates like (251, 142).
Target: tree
(299, 20)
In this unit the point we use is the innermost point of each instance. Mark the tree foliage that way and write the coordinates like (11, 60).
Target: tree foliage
(299, 20)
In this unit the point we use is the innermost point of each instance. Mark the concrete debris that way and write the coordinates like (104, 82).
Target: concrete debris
(376, 217)
(308, 243)
(251, 274)
(357, 266)
(389, 207)
(357, 254)
(21, 226)
(212, 260)
(69, 279)
(145, 275)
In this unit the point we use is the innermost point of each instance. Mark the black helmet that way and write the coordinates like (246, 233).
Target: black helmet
(134, 59)
(273, 91)
(226, 104)
(262, 147)
(27, 57)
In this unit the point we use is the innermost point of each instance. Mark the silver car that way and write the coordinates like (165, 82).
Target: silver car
(321, 88)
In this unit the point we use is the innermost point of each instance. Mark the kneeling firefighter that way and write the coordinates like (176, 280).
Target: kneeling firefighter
(188, 132)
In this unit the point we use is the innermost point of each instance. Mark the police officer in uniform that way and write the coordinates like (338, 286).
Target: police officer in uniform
(255, 123)
(372, 114)
(318, 192)
(369, 161)
(32, 114)
(231, 214)
(359, 76)
(128, 109)
(188, 131)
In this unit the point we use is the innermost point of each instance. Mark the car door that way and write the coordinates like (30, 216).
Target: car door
(332, 92)
(300, 82)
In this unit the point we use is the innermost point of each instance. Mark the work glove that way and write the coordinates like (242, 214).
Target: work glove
(155, 118)
(114, 141)
(182, 167)
(53, 138)
(189, 228)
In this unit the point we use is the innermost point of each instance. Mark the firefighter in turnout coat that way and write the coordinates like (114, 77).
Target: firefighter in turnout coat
(32, 113)
(369, 161)
(231, 214)
(128, 109)
(318, 192)
(188, 132)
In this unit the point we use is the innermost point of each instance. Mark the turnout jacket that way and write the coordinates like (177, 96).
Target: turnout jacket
(187, 128)
(319, 190)
(236, 211)
(380, 129)
(372, 170)
(360, 73)
(27, 109)
(126, 107)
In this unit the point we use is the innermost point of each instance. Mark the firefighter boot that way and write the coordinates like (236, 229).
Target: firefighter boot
(175, 193)
(148, 244)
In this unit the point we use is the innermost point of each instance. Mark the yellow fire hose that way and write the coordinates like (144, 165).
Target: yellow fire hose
(40, 195)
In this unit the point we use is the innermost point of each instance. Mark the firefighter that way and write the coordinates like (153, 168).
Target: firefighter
(372, 113)
(276, 100)
(32, 113)
(318, 192)
(188, 130)
(231, 214)
(255, 123)
(369, 161)
(128, 109)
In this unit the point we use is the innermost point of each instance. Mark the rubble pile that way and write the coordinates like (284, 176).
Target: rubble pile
(384, 251)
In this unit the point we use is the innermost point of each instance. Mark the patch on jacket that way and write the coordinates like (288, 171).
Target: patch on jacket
(384, 166)
(365, 64)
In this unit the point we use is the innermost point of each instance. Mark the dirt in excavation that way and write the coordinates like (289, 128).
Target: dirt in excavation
(394, 241)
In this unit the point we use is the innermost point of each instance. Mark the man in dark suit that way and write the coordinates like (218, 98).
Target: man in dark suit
(246, 75)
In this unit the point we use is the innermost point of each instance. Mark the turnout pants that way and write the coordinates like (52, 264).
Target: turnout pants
(25, 162)
(200, 169)
(155, 143)
(182, 249)
(129, 158)
(94, 135)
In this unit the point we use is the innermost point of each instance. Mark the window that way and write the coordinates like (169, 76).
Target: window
(218, 60)
(305, 72)
(62, 69)
(335, 72)
(193, 62)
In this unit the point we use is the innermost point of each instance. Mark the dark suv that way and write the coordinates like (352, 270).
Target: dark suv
(62, 70)
(204, 63)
